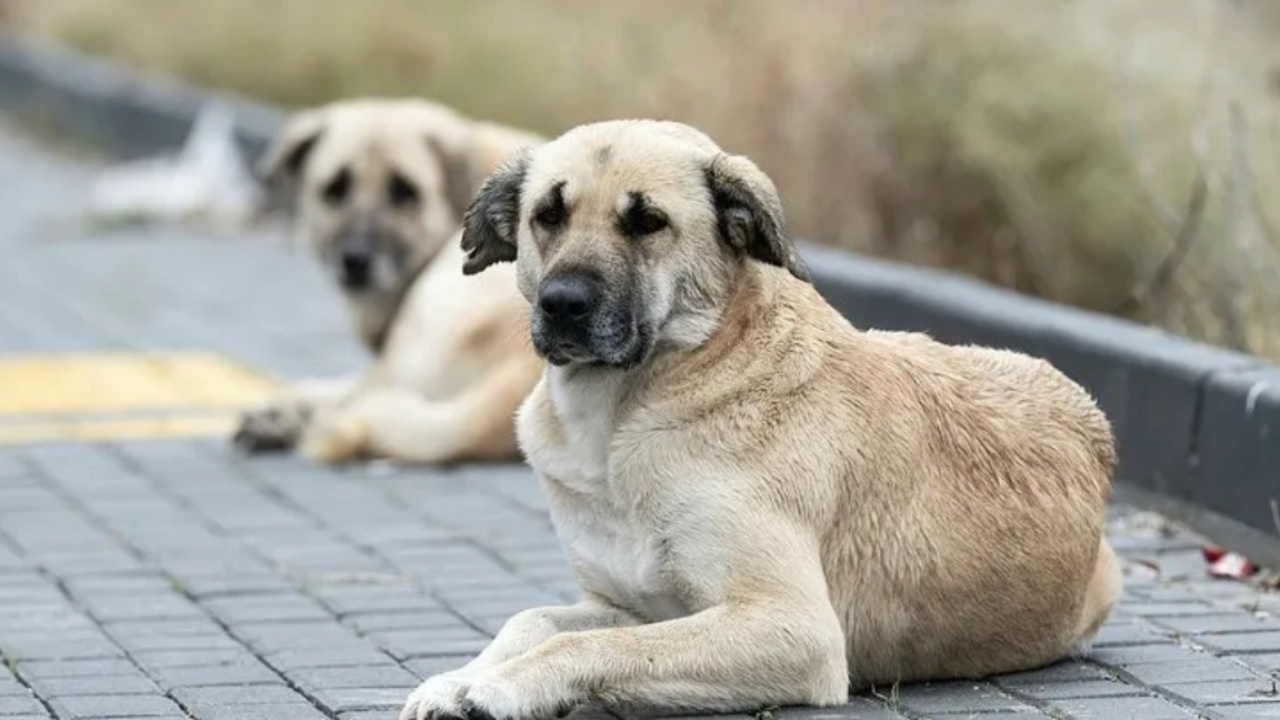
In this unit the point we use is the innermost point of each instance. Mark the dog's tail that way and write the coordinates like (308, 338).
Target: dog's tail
(1100, 597)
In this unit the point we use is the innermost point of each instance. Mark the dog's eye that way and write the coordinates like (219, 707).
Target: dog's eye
(551, 216)
(642, 219)
(552, 213)
(335, 191)
(401, 193)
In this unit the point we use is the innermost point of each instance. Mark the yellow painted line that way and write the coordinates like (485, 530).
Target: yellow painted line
(55, 384)
(102, 430)
(120, 396)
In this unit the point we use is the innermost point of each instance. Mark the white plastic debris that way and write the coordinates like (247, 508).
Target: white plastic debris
(208, 180)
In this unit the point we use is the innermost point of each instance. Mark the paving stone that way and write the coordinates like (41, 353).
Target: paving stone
(132, 684)
(1256, 642)
(78, 707)
(1060, 672)
(428, 666)
(163, 607)
(1128, 634)
(431, 643)
(20, 705)
(1218, 624)
(297, 710)
(1171, 609)
(248, 673)
(1084, 689)
(147, 643)
(75, 668)
(266, 608)
(151, 659)
(1232, 692)
(1267, 662)
(271, 638)
(201, 699)
(381, 600)
(380, 698)
(1132, 655)
(933, 698)
(32, 647)
(378, 676)
(1258, 711)
(398, 621)
(1146, 708)
(1201, 669)
(362, 656)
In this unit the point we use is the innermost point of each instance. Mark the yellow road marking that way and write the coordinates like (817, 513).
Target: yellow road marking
(100, 430)
(43, 385)
(118, 396)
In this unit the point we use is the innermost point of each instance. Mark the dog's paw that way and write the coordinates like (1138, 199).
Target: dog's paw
(270, 429)
(439, 698)
(334, 438)
(491, 696)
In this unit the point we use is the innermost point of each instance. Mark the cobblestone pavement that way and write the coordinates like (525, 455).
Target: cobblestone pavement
(167, 579)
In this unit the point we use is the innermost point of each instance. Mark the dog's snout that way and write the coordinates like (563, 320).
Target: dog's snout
(355, 266)
(569, 297)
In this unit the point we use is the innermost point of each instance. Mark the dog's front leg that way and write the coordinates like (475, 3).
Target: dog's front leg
(440, 696)
(774, 640)
(280, 423)
(393, 422)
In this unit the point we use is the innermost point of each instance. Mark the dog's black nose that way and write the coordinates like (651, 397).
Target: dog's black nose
(568, 297)
(355, 267)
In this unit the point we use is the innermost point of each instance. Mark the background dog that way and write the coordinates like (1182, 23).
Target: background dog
(380, 187)
(764, 505)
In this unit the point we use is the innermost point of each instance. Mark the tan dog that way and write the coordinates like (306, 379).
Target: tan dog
(764, 505)
(381, 186)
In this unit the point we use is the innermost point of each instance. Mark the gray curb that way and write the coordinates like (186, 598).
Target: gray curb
(1198, 427)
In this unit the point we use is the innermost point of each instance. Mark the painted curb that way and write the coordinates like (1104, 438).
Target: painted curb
(1198, 427)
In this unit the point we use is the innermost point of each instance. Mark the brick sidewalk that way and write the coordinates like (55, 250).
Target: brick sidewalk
(169, 579)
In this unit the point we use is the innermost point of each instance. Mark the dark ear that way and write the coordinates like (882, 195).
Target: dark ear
(285, 159)
(490, 225)
(749, 213)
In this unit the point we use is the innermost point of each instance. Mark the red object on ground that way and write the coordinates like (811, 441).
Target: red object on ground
(1229, 565)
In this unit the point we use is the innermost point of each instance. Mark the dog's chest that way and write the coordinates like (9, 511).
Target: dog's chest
(611, 541)
(618, 556)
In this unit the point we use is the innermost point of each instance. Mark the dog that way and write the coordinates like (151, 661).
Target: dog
(380, 187)
(763, 505)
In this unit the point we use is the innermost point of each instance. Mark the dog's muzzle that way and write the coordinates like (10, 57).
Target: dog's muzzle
(355, 269)
(577, 321)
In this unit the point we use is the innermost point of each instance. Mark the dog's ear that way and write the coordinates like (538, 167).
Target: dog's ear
(749, 213)
(287, 156)
(490, 225)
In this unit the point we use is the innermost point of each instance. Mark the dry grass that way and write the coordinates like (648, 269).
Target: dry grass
(1055, 147)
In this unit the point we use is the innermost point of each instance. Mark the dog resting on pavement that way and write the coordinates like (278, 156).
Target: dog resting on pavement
(763, 505)
(380, 188)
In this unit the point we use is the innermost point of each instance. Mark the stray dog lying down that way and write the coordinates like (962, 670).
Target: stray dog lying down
(763, 504)
(381, 187)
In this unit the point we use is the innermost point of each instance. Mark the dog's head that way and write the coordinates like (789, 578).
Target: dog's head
(627, 235)
(379, 185)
